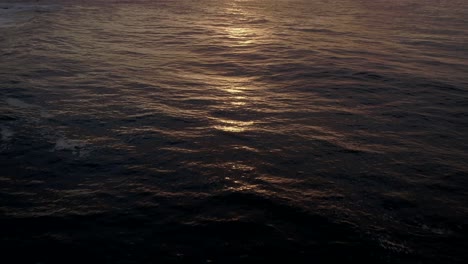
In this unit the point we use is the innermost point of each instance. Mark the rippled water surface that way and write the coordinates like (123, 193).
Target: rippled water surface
(234, 131)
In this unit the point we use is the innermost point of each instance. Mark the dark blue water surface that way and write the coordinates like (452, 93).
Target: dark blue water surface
(234, 131)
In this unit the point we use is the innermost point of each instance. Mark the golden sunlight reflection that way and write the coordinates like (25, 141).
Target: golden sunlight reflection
(237, 180)
(238, 103)
(234, 90)
(242, 35)
(235, 126)
(239, 30)
(242, 186)
(236, 98)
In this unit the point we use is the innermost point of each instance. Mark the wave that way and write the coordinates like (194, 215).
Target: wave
(207, 230)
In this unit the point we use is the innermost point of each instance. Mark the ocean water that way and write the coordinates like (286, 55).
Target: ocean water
(234, 131)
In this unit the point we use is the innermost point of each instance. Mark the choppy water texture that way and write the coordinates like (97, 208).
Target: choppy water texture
(234, 131)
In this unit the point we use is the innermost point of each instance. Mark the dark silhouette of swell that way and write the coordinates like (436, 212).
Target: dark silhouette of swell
(263, 230)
